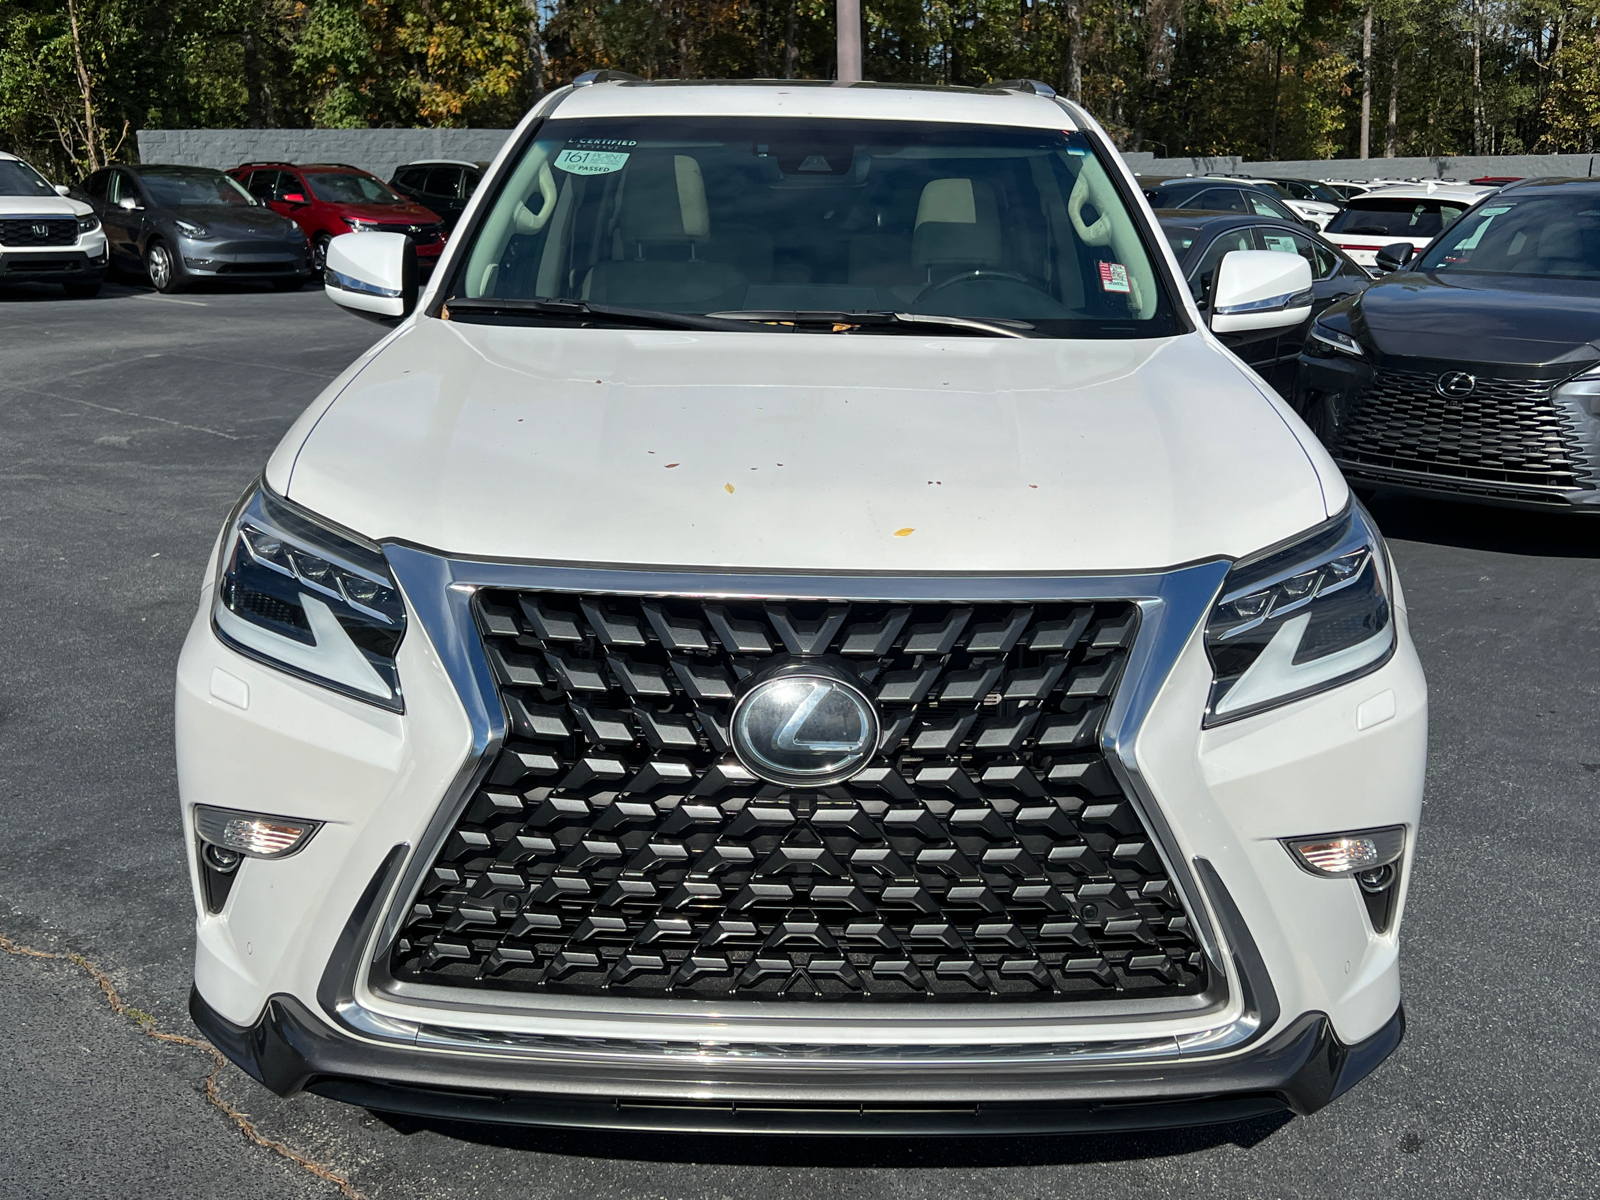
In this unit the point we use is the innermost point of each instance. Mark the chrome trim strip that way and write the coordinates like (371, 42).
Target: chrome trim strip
(439, 590)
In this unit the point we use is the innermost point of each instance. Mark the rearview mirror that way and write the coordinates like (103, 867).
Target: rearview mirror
(1395, 256)
(1260, 289)
(374, 275)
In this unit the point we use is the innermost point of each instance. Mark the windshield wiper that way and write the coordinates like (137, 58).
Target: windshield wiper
(648, 318)
(842, 322)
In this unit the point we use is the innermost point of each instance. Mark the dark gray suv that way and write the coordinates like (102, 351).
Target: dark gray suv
(182, 224)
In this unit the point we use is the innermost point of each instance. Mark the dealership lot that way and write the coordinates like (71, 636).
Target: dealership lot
(130, 423)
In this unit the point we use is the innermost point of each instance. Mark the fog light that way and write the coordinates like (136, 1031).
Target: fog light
(221, 859)
(1369, 852)
(254, 834)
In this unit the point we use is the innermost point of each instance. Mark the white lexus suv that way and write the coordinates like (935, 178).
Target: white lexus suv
(803, 627)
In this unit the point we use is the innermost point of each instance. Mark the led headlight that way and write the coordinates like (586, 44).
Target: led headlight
(88, 224)
(190, 229)
(360, 226)
(310, 600)
(1336, 340)
(1301, 619)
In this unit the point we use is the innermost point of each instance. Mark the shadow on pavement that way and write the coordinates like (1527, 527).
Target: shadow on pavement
(1486, 526)
(870, 1152)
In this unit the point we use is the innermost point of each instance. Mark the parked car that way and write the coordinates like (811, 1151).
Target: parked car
(1407, 212)
(178, 225)
(1220, 195)
(329, 199)
(443, 185)
(46, 236)
(1475, 373)
(1302, 201)
(800, 627)
(1200, 241)
(1346, 188)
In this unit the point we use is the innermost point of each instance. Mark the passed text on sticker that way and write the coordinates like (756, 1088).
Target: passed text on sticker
(1114, 277)
(590, 162)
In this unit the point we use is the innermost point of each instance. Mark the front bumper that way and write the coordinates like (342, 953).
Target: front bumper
(84, 263)
(1296, 960)
(232, 260)
(289, 1050)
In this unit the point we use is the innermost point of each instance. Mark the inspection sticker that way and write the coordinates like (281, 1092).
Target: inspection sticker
(590, 162)
(1114, 277)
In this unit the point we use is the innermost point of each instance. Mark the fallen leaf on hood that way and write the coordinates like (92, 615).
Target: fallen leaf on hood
(906, 532)
(669, 466)
(728, 487)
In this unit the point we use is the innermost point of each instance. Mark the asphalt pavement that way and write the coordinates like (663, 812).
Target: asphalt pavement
(128, 425)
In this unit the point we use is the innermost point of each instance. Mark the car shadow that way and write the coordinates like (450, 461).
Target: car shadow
(749, 1150)
(1488, 527)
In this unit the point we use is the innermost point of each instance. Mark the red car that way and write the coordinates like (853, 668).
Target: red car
(327, 199)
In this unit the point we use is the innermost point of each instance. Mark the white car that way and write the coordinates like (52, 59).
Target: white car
(45, 235)
(1412, 213)
(803, 627)
(1300, 200)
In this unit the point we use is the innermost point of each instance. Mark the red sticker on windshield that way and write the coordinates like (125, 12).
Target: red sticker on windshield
(1114, 277)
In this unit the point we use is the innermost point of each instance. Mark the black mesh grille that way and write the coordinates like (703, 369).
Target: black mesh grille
(1508, 437)
(424, 235)
(39, 231)
(618, 846)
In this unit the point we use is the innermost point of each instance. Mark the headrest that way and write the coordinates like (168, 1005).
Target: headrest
(1560, 239)
(664, 200)
(957, 223)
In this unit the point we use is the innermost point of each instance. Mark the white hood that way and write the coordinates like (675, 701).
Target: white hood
(42, 206)
(804, 451)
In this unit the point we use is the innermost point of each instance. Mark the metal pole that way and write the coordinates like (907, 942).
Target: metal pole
(849, 18)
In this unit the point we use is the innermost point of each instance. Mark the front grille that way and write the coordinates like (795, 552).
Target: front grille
(1507, 438)
(40, 266)
(255, 268)
(427, 236)
(39, 231)
(617, 847)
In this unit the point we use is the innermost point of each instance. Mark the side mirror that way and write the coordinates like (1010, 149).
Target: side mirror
(63, 190)
(1395, 256)
(374, 275)
(129, 204)
(1260, 289)
(294, 198)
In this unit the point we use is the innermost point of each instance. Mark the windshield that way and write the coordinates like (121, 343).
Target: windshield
(1551, 235)
(709, 215)
(350, 188)
(1395, 216)
(19, 179)
(194, 189)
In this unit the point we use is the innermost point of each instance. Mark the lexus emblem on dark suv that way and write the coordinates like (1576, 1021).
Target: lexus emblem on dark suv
(1457, 385)
(806, 726)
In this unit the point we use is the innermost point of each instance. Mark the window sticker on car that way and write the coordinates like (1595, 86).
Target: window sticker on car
(1114, 277)
(590, 162)
(1283, 245)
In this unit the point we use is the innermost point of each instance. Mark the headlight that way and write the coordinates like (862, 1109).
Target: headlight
(360, 226)
(309, 600)
(88, 224)
(1342, 342)
(190, 229)
(1300, 619)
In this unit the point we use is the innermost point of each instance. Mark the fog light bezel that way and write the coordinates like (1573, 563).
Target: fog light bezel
(1389, 844)
(212, 826)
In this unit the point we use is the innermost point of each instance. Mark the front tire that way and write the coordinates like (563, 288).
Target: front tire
(319, 252)
(162, 267)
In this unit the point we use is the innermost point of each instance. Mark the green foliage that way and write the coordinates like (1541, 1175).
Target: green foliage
(1258, 78)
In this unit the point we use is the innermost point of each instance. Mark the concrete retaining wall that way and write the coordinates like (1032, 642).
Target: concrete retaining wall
(377, 150)
(382, 150)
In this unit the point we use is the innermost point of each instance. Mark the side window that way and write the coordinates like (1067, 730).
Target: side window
(262, 185)
(95, 186)
(119, 188)
(1220, 200)
(1205, 273)
(289, 188)
(469, 181)
(410, 177)
(1264, 206)
(1323, 263)
(444, 181)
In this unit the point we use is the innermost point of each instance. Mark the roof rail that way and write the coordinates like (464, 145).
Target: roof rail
(1032, 86)
(605, 76)
(342, 166)
(271, 162)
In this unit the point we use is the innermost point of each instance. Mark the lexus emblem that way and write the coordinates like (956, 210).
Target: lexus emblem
(804, 725)
(41, 230)
(1457, 385)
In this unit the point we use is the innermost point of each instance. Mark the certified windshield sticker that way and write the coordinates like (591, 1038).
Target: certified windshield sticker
(590, 162)
(1114, 277)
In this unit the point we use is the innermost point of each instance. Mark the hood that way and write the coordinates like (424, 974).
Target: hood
(805, 452)
(1479, 318)
(390, 214)
(234, 219)
(52, 205)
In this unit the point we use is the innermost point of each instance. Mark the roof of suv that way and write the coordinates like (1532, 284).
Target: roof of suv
(1426, 191)
(794, 98)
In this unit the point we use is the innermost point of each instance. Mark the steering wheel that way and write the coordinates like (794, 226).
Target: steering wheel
(979, 273)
